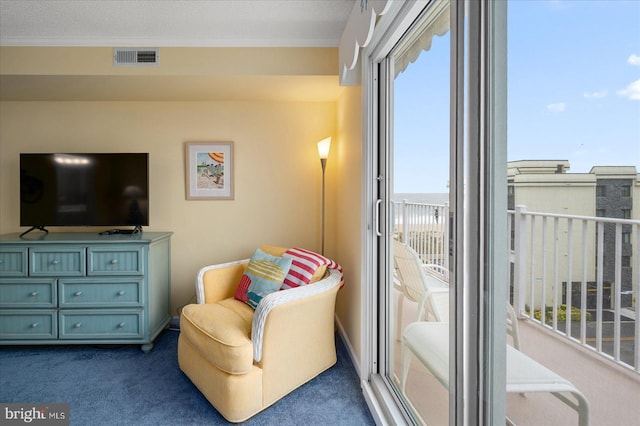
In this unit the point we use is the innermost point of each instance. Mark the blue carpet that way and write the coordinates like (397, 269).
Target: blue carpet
(120, 385)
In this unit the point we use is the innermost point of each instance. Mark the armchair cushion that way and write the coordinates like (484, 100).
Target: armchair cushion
(264, 275)
(223, 333)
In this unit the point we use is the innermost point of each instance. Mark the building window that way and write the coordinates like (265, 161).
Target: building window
(626, 237)
(626, 213)
(601, 191)
(600, 212)
(625, 191)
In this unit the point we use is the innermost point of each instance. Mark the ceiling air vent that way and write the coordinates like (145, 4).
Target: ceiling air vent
(135, 57)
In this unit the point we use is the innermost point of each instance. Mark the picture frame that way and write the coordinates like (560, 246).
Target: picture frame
(209, 170)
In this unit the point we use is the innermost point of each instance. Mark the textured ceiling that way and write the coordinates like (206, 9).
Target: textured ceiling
(216, 23)
(166, 24)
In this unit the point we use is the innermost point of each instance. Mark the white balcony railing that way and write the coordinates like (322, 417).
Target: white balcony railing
(590, 266)
(424, 228)
(576, 276)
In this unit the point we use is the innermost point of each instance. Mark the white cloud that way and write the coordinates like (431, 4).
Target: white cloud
(596, 95)
(632, 91)
(634, 60)
(557, 107)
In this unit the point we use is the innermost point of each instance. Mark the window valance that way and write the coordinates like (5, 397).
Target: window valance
(356, 35)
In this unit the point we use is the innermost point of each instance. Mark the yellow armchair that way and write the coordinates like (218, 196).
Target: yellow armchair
(243, 360)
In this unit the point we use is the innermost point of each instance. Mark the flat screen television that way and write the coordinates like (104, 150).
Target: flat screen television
(69, 189)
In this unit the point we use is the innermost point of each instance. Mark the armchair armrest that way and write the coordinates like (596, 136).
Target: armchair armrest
(218, 282)
(280, 298)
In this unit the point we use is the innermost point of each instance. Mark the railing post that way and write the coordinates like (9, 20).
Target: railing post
(599, 283)
(519, 227)
(636, 301)
(569, 288)
(405, 216)
(617, 296)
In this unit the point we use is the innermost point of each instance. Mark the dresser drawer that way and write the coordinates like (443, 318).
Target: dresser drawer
(101, 292)
(13, 262)
(115, 260)
(106, 324)
(28, 293)
(28, 324)
(57, 262)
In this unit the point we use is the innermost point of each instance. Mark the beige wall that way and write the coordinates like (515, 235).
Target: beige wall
(277, 171)
(347, 231)
(184, 74)
(273, 103)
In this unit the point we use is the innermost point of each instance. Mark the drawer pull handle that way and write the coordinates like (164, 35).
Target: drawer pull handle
(121, 293)
(34, 325)
(77, 325)
(77, 293)
(33, 294)
(121, 325)
(55, 261)
(114, 261)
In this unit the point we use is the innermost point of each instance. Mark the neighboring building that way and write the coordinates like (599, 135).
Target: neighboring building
(614, 198)
(544, 186)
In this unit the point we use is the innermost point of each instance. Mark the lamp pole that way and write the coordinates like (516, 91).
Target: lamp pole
(323, 152)
(323, 163)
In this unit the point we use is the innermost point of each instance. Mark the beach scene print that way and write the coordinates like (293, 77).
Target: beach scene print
(210, 170)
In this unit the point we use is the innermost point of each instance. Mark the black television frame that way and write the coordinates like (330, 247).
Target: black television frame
(84, 189)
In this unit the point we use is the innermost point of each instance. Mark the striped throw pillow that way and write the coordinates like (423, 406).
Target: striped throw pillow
(305, 264)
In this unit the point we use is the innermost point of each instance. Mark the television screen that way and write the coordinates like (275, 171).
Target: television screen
(84, 189)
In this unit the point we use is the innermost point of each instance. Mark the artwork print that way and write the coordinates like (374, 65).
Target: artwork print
(209, 170)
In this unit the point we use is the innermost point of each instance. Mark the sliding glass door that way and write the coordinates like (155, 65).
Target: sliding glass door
(438, 201)
(415, 189)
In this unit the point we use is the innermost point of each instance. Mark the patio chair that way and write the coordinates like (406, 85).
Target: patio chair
(409, 335)
(512, 326)
(429, 343)
(420, 283)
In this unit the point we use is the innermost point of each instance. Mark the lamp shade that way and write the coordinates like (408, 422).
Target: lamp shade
(323, 148)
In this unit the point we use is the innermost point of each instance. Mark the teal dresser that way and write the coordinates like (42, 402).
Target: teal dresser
(84, 288)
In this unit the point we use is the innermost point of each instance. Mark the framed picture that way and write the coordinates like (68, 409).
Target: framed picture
(209, 170)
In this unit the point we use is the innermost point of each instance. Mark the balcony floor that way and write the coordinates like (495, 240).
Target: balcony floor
(613, 392)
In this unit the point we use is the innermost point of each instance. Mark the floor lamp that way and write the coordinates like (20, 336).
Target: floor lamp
(323, 152)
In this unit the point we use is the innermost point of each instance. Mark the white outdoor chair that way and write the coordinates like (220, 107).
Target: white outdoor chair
(429, 343)
(420, 283)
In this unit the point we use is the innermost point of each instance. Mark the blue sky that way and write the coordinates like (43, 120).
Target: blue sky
(573, 92)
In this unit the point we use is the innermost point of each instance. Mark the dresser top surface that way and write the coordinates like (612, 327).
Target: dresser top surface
(82, 238)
